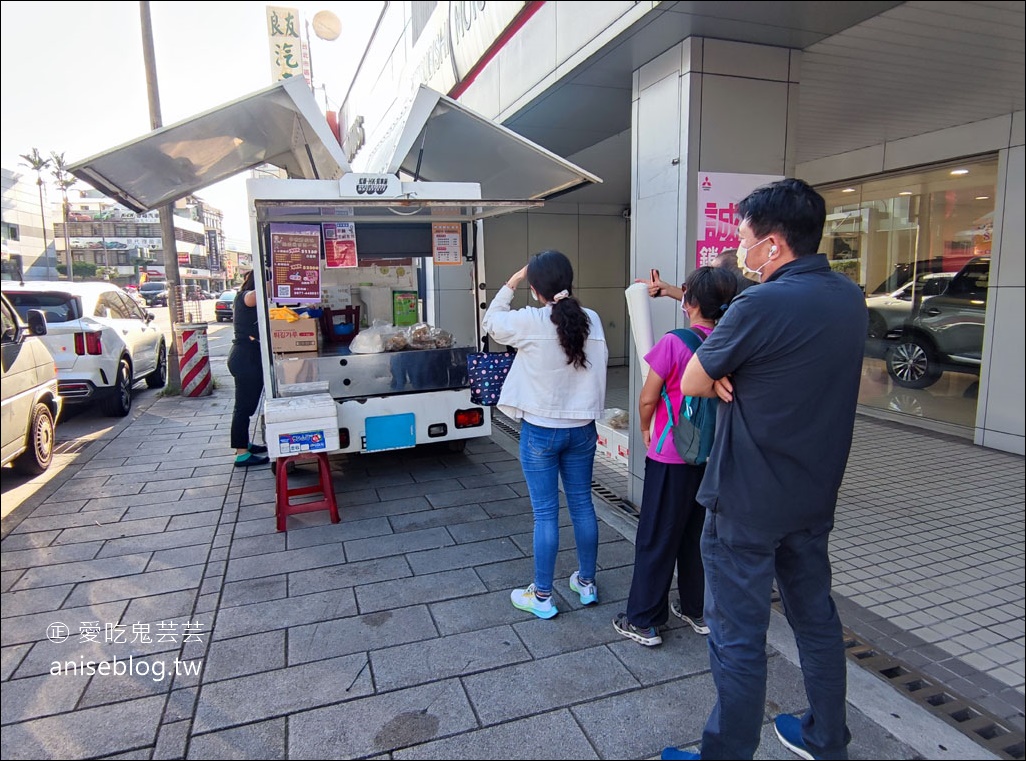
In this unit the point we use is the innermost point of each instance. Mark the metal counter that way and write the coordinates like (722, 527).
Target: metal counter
(360, 375)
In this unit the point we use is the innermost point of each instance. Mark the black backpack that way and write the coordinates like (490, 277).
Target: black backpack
(694, 424)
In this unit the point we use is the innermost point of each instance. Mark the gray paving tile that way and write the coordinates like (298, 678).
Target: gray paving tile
(448, 516)
(343, 636)
(457, 655)
(176, 503)
(138, 585)
(463, 555)
(281, 692)
(82, 571)
(171, 740)
(513, 692)
(227, 659)
(285, 562)
(348, 575)
(85, 733)
(160, 607)
(51, 522)
(390, 507)
(397, 544)
(480, 495)
(265, 739)
(553, 735)
(260, 589)
(34, 627)
(35, 540)
(178, 557)
(193, 520)
(332, 533)
(110, 688)
(10, 658)
(422, 590)
(287, 612)
(35, 697)
(36, 600)
(381, 723)
(515, 506)
(168, 539)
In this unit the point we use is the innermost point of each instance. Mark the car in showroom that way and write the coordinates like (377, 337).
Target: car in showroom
(30, 402)
(102, 341)
(154, 293)
(888, 312)
(224, 306)
(946, 333)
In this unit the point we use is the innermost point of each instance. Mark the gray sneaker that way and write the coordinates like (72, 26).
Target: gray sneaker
(697, 623)
(648, 637)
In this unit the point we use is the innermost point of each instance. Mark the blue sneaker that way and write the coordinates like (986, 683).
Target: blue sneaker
(525, 599)
(588, 592)
(673, 754)
(789, 732)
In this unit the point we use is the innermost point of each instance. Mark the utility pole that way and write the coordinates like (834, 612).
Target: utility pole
(167, 223)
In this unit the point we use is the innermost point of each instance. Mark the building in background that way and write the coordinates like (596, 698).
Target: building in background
(23, 226)
(907, 116)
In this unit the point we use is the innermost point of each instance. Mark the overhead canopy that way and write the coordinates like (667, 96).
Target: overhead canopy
(280, 125)
(444, 141)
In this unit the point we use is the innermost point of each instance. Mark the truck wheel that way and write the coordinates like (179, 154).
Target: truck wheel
(459, 445)
(39, 454)
(119, 402)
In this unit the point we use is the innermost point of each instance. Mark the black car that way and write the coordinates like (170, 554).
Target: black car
(946, 333)
(224, 305)
(154, 293)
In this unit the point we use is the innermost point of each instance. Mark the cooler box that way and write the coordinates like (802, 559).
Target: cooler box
(300, 424)
(612, 443)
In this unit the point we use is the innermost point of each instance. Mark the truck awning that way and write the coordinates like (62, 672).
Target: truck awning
(280, 125)
(444, 141)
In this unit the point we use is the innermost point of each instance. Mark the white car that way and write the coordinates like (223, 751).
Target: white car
(30, 401)
(888, 312)
(102, 341)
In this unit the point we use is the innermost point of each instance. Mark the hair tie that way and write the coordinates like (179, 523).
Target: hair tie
(560, 296)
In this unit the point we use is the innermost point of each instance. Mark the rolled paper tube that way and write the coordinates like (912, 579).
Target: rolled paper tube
(639, 308)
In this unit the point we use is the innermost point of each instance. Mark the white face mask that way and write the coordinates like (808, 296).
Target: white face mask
(534, 295)
(742, 256)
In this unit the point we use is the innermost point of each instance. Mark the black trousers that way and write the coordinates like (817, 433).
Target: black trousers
(244, 365)
(669, 533)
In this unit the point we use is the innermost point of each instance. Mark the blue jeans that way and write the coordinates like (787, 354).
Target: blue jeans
(547, 454)
(740, 563)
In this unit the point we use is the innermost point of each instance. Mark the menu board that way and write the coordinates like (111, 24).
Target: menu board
(295, 263)
(339, 244)
(446, 243)
(404, 308)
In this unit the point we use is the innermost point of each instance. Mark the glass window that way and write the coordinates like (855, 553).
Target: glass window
(919, 245)
(110, 305)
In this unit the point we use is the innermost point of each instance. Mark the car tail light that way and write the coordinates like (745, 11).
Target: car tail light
(88, 343)
(343, 438)
(472, 418)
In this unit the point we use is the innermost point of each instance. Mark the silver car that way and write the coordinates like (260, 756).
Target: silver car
(889, 311)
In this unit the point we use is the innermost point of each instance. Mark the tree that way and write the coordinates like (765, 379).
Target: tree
(38, 163)
(64, 181)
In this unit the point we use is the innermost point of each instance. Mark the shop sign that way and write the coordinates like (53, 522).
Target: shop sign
(446, 245)
(287, 50)
(370, 185)
(718, 196)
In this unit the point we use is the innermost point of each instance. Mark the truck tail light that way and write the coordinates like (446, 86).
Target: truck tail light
(437, 429)
(88, 343)
(343, 438)
(472, 418)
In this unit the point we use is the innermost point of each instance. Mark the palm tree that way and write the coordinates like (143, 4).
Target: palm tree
(64, 181)
(38, 163)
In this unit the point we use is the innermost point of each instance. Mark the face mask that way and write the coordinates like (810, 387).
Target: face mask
(742, 256)
(534, 295)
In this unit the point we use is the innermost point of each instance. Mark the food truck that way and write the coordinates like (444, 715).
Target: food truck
(370, 285)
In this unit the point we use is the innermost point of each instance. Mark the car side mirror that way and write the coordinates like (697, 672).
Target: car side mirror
(36, 322)
(150, 317)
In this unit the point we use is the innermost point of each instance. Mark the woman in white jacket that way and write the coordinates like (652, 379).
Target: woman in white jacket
(556, 388)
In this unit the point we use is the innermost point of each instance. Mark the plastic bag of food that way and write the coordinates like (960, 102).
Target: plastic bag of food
(376, 339)
(616, 418)
(424, 336)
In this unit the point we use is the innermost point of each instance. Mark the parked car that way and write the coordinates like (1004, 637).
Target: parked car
(888, 312)
(947, 331)
(30, 403)
(224, 306)
(154, 293)
(102, 341)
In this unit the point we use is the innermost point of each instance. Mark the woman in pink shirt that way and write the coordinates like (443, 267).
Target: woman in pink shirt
(670, 524)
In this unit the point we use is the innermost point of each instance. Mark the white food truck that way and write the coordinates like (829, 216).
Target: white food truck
(386, 273)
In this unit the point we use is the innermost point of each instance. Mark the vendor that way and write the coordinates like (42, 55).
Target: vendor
(245, 366)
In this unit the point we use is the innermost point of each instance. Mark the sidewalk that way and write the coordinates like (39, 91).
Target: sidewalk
(391, 635)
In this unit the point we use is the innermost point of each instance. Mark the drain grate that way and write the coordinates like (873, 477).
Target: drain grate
(71, 447)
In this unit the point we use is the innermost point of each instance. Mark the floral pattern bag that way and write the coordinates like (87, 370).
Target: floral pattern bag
(487, 371)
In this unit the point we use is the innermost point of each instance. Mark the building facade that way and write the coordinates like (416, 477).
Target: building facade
(907, 116)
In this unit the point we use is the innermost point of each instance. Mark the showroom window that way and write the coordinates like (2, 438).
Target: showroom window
(919, 246)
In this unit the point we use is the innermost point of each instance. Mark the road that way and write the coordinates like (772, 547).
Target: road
(80, 424)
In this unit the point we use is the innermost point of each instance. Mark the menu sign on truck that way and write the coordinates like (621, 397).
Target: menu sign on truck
(339, 244)
(446, 246)
(296, 263)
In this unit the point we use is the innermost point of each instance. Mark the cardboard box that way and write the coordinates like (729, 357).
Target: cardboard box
(298, 336)
(612, 443)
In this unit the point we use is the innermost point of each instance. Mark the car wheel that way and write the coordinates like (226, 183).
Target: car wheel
(158, 378)
(39, 454)
(912, 363)
(877, 326)
(119, 402)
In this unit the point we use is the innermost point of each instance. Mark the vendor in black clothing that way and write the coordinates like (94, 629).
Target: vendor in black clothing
(244, 365)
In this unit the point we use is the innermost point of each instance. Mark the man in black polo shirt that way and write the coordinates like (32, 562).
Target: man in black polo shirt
(786, 359)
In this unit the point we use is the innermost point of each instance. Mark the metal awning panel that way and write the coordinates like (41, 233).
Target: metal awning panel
(444, 141)
(280, 125)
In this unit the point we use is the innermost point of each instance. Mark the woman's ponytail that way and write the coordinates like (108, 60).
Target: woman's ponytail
(573, 328)
(551, 275)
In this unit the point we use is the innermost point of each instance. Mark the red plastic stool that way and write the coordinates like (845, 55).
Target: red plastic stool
(285, 507)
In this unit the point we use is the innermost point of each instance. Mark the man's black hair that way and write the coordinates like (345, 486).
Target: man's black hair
(790, 208)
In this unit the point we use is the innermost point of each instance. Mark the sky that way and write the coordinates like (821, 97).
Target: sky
(74, 80)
